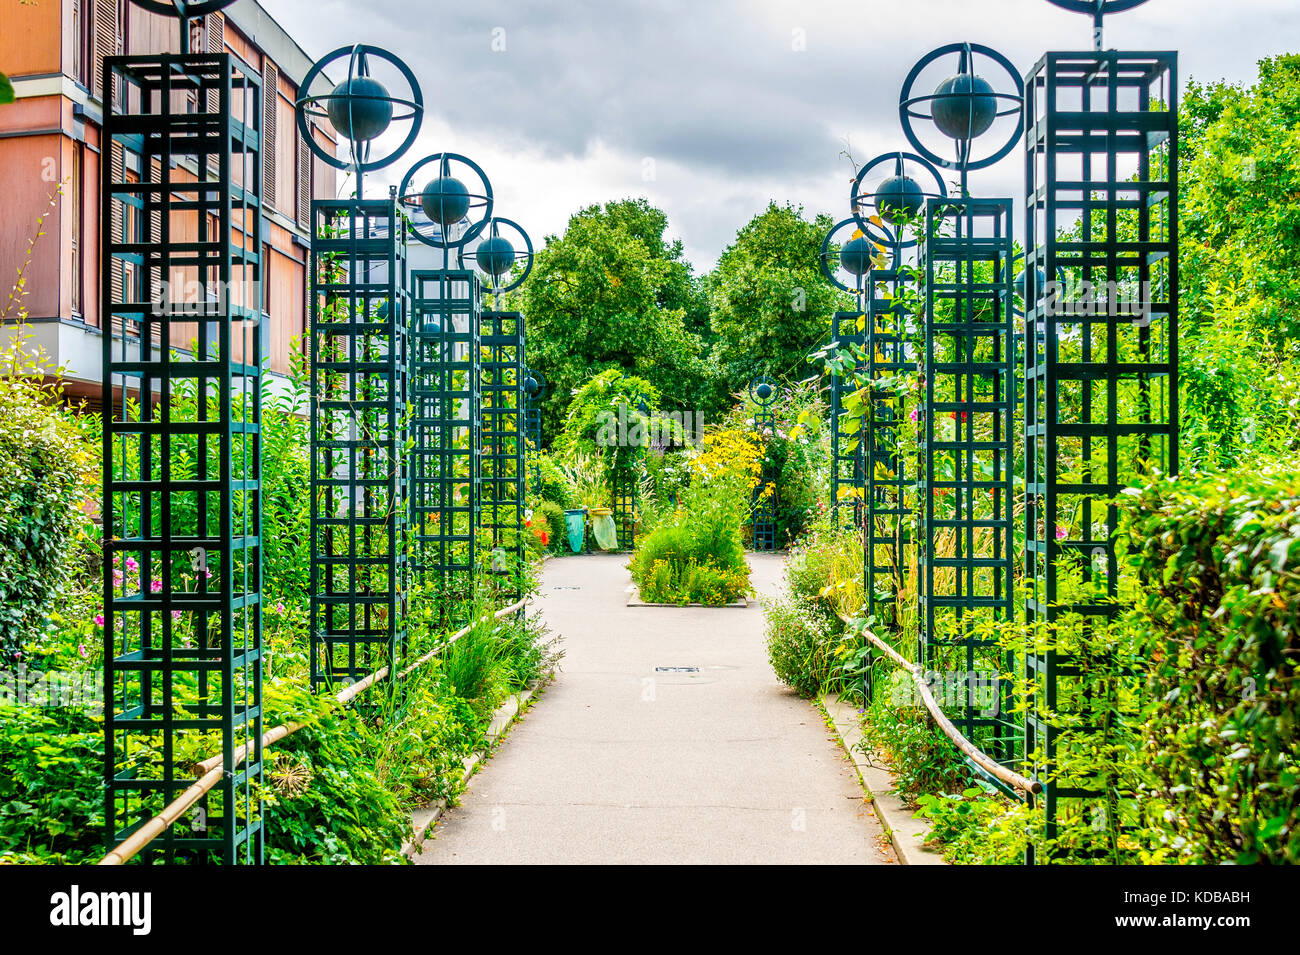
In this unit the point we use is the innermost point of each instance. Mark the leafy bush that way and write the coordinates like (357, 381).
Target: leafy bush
(976, 827)
(1219, 620)
(921, 757)
(801, 642)
(552, 485)
(51, 797)
(695, 556)
(551, 517)
(44, 476)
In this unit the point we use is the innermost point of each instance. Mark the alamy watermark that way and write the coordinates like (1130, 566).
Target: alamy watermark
(648, 430)
(80, 689)
(1084, 299)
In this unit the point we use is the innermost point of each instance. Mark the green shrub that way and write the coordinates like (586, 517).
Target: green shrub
(51, 796)
(44, 465)
(551, 516)
(552, 485)
(921, 757)
(695, 556)
(976, 827)
(801, 642)
(1219, 621)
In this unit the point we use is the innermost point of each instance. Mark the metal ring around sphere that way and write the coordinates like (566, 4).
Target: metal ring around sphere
(478, 200)
(181, 10)
(1107, 7)
(826, 253)
(307, 105)
(857, 197)
(526, 252)
(906, 101)
(764, 403)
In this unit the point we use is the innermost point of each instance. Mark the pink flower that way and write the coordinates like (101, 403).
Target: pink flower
(914, 415)
(1060, 532)
(176, 615)
(81, 649)
(279, 607)
(131, 564)
(99, 619)
(156, 586)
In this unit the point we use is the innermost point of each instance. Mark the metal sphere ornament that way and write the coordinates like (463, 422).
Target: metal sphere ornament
(965, 106)
(452, 208)
(360, 108)
(496, 256)
(898, 198)
(856, 255)
(445, 200)
(764, 391)
(849, 247)
(184, 11)
(534, 384)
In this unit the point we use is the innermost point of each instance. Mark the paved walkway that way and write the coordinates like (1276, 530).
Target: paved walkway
(620, 762)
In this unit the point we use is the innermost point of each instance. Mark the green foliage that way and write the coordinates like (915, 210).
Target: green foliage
(611, 416)
(51, 798)
(770, 303)
(551, 516)
(286, 470)
(552, 485)
(1240, 265)
(976, 827)
(921, 757)
(696, 555)
(613, 293)
(45, 474)
(1219, 621)
(6, 90)
(801, 642)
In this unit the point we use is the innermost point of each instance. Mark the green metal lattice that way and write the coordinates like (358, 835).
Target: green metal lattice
(501, 460)
(446, 434)
(182, 351)
(359, 469)
(1101, 384)
(965, 547)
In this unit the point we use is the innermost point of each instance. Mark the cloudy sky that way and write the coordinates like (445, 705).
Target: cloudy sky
(711, 108)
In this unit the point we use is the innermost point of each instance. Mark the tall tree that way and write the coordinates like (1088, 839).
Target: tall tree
(770, 304)
(611, 292)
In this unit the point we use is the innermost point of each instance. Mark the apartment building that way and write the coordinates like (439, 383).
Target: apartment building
(50, 158)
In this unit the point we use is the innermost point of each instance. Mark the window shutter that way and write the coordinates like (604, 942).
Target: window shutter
(304, 183)
(105, 41)
(270, 102)
(156, 273)
(216, 43)
(118, 172)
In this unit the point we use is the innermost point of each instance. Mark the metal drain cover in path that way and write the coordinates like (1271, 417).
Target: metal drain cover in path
(677, 669)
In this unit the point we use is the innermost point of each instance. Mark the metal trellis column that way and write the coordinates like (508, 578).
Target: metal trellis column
(181, 292)
(359, 363)
(1101, 375)
(965, 554)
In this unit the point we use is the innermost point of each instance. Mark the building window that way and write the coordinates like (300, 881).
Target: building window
(77, 196)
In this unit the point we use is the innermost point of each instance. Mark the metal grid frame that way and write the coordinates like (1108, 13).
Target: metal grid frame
(447, 434)
(501, 458)
(967, 456)
(1102, 187)
(889, 355)
(625, 501)
(182, 352)
(766, 494)
(848, 450)
(359, 358)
